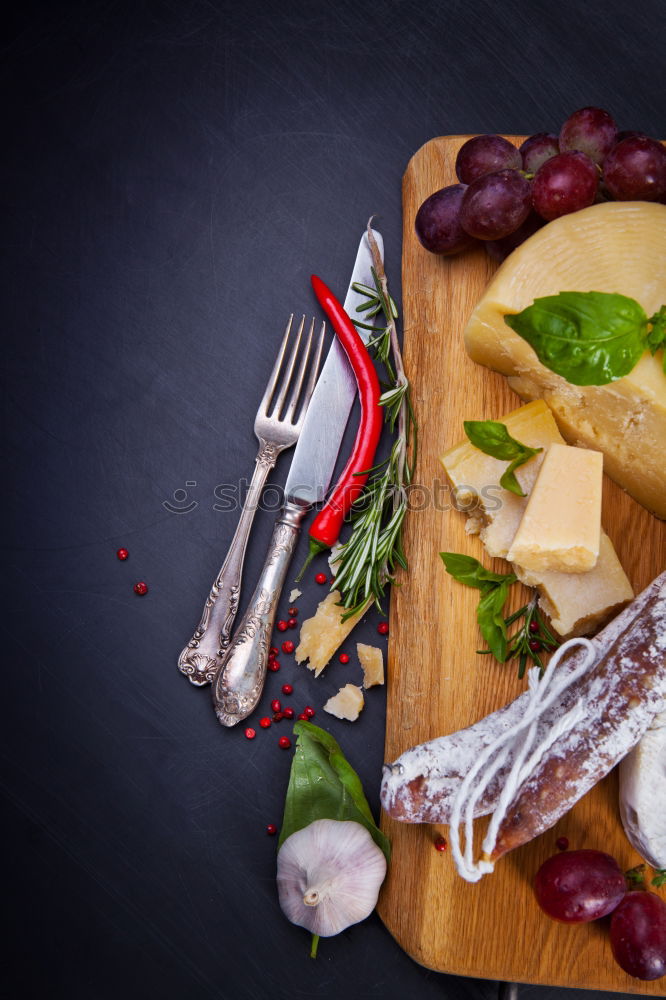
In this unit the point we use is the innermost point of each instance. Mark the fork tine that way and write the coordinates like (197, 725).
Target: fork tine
(298, 385)
(314, 372)
(275, 374)
(278, 403)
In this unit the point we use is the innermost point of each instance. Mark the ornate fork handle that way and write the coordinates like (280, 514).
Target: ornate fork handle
(200, 659)
(240, 679)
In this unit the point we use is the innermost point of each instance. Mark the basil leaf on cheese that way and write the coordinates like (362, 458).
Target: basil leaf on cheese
(656, 338)
(492, 438)
(589, 338)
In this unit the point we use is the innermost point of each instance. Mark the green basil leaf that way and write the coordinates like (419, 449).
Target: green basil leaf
(324, 785)
(589, 338)
(656, 338)
(508, 479)
(490, 618)
(492, 438)
(469, 571)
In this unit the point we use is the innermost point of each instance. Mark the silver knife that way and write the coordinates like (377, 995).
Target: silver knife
(239, 681)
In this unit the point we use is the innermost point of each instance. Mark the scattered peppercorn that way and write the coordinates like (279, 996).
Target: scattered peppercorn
(271, 829)
(303, 716)
(287, 689)
(275, 705)
(533, 626)
(383, 628)
(293, 612)
(265, 722)
(309, 712)
(562, 843)
(288, 646)
(320, 578)
(292, 623)
(282, 626)
(140, 588)
(288, 712)
(278, 716)
(534, 645)
(284, 742)
(250, 733)
(273, 651)
(274, 665)
(122, 554)
(344, 657)
(440, 843)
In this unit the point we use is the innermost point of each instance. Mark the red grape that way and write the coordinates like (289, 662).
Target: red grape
(578, 886)
(500, 249)
(635, 169)
(591, 131)
(537, 149)
(564, 183)
(628, 134)
(638, 935)
(495, 205)
(438, 222)
(485, 154)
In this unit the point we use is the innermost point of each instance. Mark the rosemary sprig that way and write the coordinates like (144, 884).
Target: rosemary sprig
(368, 560)
(533, 631)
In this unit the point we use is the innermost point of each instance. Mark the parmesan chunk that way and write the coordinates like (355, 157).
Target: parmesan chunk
(346, 704)
(495, 513)
(611, 247)
(322, 634)
(294, 595)
(561, 526)
(576, 603)
(580, 603)
(372, 661)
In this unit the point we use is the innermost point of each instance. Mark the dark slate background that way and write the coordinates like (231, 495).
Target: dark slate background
(171, 174)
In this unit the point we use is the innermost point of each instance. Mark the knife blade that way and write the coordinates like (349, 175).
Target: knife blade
(321, 435)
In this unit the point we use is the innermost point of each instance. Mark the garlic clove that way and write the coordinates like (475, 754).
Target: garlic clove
(329, 875)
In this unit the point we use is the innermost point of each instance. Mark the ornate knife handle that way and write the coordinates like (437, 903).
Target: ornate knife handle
(240, 678)
(201, 658)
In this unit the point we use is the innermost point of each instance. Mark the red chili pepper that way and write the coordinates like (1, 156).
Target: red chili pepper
(326, 526)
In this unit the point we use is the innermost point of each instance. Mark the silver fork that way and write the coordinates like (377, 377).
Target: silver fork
(277, 427)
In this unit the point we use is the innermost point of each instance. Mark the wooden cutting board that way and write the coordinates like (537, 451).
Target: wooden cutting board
(436, 683)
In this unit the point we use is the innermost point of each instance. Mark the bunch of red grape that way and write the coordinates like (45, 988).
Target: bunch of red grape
(505, 194)
(579, 886)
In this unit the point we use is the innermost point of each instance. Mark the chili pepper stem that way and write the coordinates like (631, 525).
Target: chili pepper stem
(315, 549)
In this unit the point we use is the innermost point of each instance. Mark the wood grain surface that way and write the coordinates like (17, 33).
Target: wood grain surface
(437, 684)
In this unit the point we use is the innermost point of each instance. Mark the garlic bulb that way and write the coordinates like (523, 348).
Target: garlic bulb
(329, 874)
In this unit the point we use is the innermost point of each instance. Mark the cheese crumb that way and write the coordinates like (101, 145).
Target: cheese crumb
(346, 704)
(294, 595)
(372, 661)
(322, 634)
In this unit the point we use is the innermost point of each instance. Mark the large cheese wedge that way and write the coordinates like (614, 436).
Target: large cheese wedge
(612, 247)
(576, 603)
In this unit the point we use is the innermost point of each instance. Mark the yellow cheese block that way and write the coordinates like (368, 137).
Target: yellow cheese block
(612, 247)
(576, 603)
(322, 634)
(495, 513)
(561, 525)
(346, 704)
(372, 661)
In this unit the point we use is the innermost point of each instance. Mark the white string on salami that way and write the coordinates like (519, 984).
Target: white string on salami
(518, 742)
